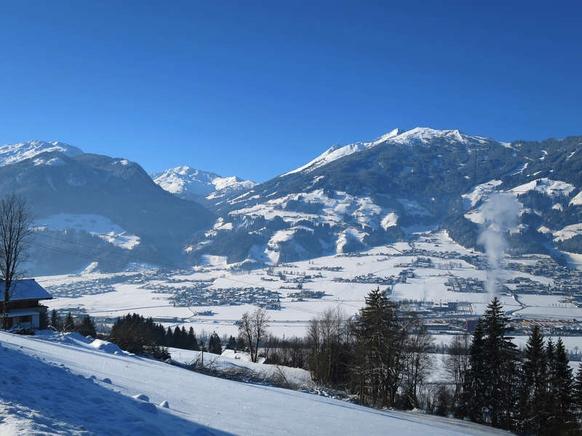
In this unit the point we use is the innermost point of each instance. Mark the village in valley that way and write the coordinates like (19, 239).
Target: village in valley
(432, 276)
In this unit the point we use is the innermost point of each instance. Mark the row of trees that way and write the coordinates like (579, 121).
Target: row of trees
(140, 335)
(137, 334)
(85, 325)
(531, 391)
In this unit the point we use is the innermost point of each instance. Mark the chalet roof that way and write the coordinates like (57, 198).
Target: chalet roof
(27, 289)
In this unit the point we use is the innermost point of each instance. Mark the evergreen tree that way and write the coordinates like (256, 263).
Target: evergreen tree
(178, 340)
(55, 320)
(184, 338)
(550, 406)
(473, 404)
(577, 391)
(231, 344)
(192, 341)
(69, 324)
(562, 421)
(501, 359)
(169, 338)
(43, 319)
(380, 342)
(214, 344)
(533, 395)
(87, 327)
(490, 394)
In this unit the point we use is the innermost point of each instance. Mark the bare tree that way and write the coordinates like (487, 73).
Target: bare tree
(252, 329)
(457, 364)
(327, 337)
(417, 361)
(15, 228)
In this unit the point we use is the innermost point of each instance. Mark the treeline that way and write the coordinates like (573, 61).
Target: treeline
(140, 335)
(84, 326)
(529, 392)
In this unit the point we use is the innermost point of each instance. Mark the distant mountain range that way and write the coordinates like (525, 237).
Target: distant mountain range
(107, 213)
(366, 194)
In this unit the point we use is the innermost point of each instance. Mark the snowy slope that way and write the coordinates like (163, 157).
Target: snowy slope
(336, 152)
(58, 388)
(14, 153)
(96, 225)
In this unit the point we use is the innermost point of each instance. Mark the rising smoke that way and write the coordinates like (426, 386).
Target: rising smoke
(500, 214)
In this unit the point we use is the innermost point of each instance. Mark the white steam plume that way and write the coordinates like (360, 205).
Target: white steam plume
(500, 213)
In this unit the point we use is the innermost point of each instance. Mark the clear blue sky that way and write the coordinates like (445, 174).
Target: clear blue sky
(257, 88)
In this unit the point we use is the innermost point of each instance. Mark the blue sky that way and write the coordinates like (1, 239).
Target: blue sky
(257, 88)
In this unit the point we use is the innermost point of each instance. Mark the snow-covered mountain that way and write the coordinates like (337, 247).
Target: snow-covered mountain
(193, 184)
(346, 199)
(93, 209)
(71, 385)
(374, 192)
(14, 153)
(338, 151)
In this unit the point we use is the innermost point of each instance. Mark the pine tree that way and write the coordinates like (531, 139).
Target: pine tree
(214, 344)
(192, 341)
(562, 421)
(501, 357)
(69, 324)
(184, 338)
(231, 344)
(55, 320)
(551, 395)
(87, 327)
(380, 343)
(577, 391)
(533, 395)
(489, 394)
(169, 338)
(178, 341)
(473, 404)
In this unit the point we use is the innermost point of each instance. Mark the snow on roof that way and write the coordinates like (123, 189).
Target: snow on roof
(27, 289)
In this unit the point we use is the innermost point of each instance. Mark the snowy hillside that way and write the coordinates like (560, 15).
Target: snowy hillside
(53, 386)
(193, 184)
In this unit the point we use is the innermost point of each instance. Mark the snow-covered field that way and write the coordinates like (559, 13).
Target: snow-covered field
(210, 298)
(56, 385)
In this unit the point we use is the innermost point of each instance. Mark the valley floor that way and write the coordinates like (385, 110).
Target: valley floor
(53, 386)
